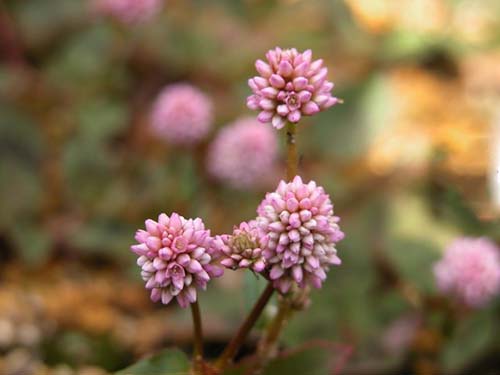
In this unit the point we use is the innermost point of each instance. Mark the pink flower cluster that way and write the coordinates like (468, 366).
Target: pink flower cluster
(243, 249)
(243, 154)
(470, 271)
(129, 11)
(182, 114)
(290, 85)
(176, 256)
(292, 241)
(302, 230)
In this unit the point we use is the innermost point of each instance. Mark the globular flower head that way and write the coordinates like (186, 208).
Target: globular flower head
(128, 11)
(243, 249)
(243, 154)
(176, 256)
(470, 271)
(290, 85)
(182, 114)
(302, 230)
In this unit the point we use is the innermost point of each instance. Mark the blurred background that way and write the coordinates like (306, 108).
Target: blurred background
(410, 160)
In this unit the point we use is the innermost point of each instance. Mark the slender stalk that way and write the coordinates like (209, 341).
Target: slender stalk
(291, 151)
(238, 340)
(275, 328)
(198, 337)
(267, 345)
(268, 342)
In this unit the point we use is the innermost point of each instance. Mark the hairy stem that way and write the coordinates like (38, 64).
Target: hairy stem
(198, 337)
(238, 340)
(291, 151)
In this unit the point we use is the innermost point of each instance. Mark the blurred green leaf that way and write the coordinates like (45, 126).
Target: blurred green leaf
(253, 286)
(33, 242)
(77, 348)
(87, 167)
(101, 119)
(166, 362)
(40, 20)
(85, 62)
(472, 337)
(107, 237)
(314, 360)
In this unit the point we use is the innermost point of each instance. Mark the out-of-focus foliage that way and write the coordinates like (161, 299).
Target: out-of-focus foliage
(406, 160)
(169, 361)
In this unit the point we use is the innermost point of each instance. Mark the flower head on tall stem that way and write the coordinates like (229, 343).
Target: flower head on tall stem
(302, 230)
(176, 256)
(243, 154)
(289, 85)
(182, 114)
(470, 271)
(128, 11)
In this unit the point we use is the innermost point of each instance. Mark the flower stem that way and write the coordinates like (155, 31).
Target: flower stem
(267, 345)
(198, 337)
(238, 340)
(291, 151)
(268, 342)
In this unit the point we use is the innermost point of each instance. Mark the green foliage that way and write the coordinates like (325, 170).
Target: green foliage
(313, 360)
(77, 348)
(33, 243)
(472, 337)
(166, 362)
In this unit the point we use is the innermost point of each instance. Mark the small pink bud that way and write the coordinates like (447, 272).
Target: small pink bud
(267, 104)
(269, 92)
(276, 272)
(277, 81)
(259, 266)
(282, 110)
(310, 108)
(260, 82)
(295, 220)
(278, 122)
(294, 116)
(263, 68)
(292, 204)
(285, 69)
(265, 116)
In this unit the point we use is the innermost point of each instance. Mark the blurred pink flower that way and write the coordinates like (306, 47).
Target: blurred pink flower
(243, 249)
(290, 85)
(243, 154)
(128, 11)
(176, 256)
(182, 114)
(470, 271)
(298, 219)
(400, 333)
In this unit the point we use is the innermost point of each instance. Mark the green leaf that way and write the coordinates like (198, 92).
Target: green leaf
(253, 287)
(101, 118)
(98, 231)
(316, 359)
(33, 242)
(472, 337)
(167, 362)
(313, 361)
